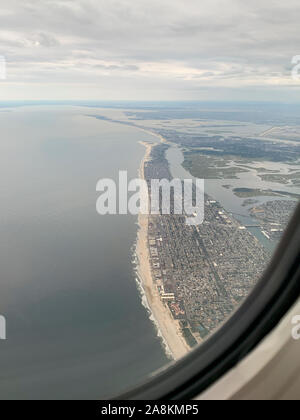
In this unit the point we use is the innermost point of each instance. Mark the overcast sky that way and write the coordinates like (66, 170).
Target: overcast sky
(150, 49)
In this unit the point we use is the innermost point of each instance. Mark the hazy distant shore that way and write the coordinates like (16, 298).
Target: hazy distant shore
(168, 327)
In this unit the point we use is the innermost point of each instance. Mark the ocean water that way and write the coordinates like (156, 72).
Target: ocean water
(76, 326)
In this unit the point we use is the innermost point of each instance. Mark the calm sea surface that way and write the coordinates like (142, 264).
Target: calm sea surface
(76, 327)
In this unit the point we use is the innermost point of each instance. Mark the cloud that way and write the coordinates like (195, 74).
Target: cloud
(142, 45)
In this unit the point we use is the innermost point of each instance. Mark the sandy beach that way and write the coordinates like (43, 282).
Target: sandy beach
(161, 138)
(168, 327)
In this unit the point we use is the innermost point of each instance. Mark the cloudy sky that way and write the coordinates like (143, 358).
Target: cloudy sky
(150, 50)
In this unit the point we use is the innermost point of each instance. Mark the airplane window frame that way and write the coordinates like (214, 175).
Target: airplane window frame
(270, 300)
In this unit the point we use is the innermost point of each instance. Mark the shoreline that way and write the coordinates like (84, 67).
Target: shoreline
(168, 328)
(160, 137)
